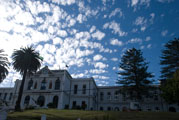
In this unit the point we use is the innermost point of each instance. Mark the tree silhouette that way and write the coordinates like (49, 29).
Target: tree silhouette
(134, 75)
(170, 59)
(26, 60)
(3, 65)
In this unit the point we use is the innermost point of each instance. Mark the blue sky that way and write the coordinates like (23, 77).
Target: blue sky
(89, 36)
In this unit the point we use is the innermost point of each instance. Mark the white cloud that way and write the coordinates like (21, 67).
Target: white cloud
(164, 33)
(137, 3)
(134, 2)
(97, 71)
(97, 57)
(164, 1)
(115, 28)
(116, 11)
(64, 2)
(100, 65)
(114, 59)
(57, 41)
(99, 35)
(149, 45)
(148, 38)
(93, 28)
(135, 40)
(116, 42)
(62, 33)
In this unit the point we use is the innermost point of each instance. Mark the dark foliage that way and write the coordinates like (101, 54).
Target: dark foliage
(170, 90)
(26, 61)
(170, 59)
(134, 75)
(4, 64)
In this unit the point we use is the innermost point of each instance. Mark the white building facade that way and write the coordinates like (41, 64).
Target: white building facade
(57, 89)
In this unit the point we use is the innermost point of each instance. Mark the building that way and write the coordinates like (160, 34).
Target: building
(58, 89)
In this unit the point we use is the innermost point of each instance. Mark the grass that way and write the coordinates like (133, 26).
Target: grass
(53, 114)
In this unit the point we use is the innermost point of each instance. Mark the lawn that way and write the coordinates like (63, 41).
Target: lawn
(53, 114)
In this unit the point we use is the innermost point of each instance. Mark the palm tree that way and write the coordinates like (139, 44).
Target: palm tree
(26, 61)
(3, 65)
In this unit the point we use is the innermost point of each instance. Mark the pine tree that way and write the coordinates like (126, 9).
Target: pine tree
(134, 75)
(170, 59)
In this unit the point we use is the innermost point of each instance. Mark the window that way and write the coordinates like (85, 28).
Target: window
(109, 96)
(157, 108)
(124, 97)
(35, 86)
(75, 89)
(30, 84)
(41, 101)
(116, 95)
(156, 98)
(50, 85)
(109, 108)
(84, 89)
(57, 84)
(43, 85)
(83, 105)
(55, 101)
(101, 108)
(27, 100)
(101, 96)
(74, 104)
(0, 95)
(10, 96)
(5, 95)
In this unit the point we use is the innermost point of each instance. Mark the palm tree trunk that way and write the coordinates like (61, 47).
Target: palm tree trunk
(18, 102)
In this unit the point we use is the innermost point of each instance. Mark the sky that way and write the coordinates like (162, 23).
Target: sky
(90, 36)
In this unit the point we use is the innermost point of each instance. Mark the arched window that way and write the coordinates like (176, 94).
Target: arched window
(172, 109)
(27, 100)
(35, 86)
(50, 85)
(30, 84)
(55, 101)
(43, 85)
(57, 84)
(41, 101)
(116, 109)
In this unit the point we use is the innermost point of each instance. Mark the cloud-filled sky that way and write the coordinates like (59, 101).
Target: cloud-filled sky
(89, 36)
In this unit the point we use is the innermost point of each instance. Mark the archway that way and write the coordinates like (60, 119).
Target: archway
(172, 109)
(55, 101)
(124, 108)
(26, 100)
(116, 109)
(41, 101)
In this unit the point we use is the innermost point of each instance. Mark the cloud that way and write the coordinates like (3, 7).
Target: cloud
(97, 71)
(64, 2)
(116, 42)
(164, 33)
(137, 3)
(164, 1)
(115, 28)
(100, 65)
(98, 57)
(99, 35)
(116, 11)
(80, 18)
(114, 59)
(57, 41)
(149, 45)
(135, 40)
(134, 2)
(148, 38)
(143, 22)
